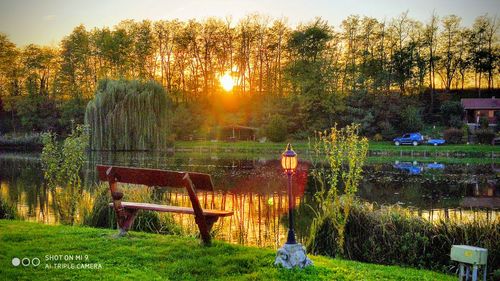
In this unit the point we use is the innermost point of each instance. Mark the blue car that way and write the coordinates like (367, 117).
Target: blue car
(436, 142)
(411, 138)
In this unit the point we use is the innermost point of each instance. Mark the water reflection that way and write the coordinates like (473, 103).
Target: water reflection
(415, 168)
(482, 194)
(255, 189)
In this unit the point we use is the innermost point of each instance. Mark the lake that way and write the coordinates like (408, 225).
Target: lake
(254, 187)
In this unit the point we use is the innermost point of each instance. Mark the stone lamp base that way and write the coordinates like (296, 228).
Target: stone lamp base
(292, 255)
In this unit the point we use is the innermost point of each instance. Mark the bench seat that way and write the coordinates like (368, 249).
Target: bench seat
(172, 209)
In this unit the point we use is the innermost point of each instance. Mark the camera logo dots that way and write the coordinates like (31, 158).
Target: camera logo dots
(26, 262)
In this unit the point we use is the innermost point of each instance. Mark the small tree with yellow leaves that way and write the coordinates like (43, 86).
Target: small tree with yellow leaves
(344, 152)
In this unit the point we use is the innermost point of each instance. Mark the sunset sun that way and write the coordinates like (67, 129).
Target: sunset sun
(227, 82)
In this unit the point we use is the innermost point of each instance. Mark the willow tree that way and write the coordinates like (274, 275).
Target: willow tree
(128, 115)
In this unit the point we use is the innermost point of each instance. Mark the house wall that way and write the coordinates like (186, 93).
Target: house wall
(473, 115)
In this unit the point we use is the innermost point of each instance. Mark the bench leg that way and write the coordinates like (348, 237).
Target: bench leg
(205, 226)
(124, 223)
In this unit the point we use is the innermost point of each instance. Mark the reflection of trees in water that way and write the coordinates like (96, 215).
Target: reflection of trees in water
(21, 182)
(257, 220)
(431, 189)
(23, 185)
(253, 188)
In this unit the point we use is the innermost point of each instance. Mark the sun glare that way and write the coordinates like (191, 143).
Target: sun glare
(227, 82)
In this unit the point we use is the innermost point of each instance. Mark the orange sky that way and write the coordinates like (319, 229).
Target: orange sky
(47, 21)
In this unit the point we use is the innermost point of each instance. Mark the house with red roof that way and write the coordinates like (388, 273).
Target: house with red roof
(474, 109)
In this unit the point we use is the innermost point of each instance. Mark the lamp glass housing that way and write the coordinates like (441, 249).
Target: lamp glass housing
(289, 160)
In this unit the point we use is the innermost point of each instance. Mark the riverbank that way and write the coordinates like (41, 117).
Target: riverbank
(375, 148)
(301, 146)
(145, 256)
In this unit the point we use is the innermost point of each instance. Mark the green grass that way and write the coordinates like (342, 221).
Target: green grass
(303, 146)
(143, 256)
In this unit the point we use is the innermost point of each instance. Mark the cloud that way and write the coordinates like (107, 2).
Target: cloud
(49, 17)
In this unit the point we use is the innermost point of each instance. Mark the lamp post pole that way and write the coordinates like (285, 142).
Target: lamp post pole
(291, 204)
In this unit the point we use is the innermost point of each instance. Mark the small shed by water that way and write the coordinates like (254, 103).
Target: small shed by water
(238, 132)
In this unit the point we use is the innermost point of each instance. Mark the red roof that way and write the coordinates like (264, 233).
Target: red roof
(481, 103)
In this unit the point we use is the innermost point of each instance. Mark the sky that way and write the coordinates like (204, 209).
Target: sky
(46, 22)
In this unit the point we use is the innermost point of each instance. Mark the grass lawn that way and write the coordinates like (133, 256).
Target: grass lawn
(303, 146)
(143, 256)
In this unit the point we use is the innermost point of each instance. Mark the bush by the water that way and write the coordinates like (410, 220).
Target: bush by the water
(484, 136)
(391, 235)
(7, 211)
(453, 135)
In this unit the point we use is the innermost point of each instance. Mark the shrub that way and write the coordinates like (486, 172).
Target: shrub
(484, 123)
(62, 164)
(276, 129)
(345, 152)
(432, 131)
(484, 136)
(7, 211)
(100, 215)
(496, 274)
(387, 130)
(378, 137)
(453, 111)
(393, 235)
(411, 119)
(466, 131)
(455, 121)
(453, 136)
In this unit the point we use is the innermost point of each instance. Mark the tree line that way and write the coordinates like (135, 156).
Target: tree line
(312, 75)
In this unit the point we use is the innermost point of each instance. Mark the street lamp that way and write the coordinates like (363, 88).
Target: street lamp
(292, 254)
(289, 165)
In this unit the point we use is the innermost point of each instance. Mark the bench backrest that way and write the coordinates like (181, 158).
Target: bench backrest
(154, 177)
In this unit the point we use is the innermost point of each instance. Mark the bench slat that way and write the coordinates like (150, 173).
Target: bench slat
(155, 177)
(172, 209)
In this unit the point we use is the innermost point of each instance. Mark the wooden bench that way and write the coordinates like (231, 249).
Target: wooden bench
(127, 211)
